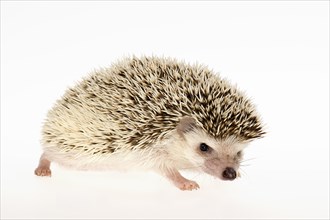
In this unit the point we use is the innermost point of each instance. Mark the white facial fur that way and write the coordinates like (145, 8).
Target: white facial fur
(220, 155)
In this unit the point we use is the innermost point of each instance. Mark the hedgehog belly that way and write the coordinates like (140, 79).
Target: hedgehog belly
(121, 160)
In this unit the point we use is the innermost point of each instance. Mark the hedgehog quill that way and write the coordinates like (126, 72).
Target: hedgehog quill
(151, 113)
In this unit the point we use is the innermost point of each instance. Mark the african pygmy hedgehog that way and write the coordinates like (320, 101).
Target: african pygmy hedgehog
(152, 113)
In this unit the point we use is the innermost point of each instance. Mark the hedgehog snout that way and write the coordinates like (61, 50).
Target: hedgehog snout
(229, 173)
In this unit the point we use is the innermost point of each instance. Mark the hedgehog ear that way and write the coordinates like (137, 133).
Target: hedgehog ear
(186, 125)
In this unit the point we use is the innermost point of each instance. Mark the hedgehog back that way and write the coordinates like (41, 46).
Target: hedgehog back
(138, 101)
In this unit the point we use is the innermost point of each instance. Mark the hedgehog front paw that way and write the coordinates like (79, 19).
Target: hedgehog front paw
(187, 185)
(181, 182)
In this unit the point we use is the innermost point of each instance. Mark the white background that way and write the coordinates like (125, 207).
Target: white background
(278, 52)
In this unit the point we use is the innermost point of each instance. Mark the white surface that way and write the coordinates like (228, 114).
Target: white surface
(278, 52)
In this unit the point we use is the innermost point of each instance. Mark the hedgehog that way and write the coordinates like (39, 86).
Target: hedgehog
(151, 113)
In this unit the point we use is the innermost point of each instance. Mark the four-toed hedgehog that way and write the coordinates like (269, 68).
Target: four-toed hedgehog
(151, 113)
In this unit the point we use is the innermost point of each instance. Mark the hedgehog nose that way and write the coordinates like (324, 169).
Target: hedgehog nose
(229, 173)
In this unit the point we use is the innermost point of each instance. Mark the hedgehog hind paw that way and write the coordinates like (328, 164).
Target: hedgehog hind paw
(43, 168)
(43, 171)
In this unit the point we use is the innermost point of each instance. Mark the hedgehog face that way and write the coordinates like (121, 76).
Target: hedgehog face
(223, 159)
(219, 158)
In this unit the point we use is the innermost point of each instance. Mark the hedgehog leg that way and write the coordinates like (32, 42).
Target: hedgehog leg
(43, 168)
(179, 181)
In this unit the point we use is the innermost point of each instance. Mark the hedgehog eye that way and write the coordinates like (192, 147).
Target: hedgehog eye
(239, 153)
(204, 147)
